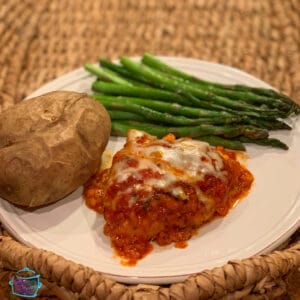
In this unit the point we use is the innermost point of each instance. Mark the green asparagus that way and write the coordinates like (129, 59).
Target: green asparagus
(135, 91)
(153, 96)
(155, 77)
(115, 103)
(248, 94)
(273, 142)
(226, 143)
(226, 131)
(106, 73)
(124, 115)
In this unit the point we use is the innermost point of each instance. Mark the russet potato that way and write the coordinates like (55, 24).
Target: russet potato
(49, 146)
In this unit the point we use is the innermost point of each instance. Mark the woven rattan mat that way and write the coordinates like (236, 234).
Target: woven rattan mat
(40, 40)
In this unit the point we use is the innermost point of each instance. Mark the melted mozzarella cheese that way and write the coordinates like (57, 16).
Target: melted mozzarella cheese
(195, 158)
(182, 160)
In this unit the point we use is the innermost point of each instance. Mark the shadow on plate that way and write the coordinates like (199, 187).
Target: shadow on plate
(46, 216)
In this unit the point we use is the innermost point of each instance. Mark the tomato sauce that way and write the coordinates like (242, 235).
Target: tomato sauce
(137, 215)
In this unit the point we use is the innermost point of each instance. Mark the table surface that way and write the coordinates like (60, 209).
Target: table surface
(41, 40)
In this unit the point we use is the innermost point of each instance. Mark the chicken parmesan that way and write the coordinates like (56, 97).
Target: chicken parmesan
(163, 190)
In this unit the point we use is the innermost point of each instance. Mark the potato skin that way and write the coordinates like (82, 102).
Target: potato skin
(49, 146)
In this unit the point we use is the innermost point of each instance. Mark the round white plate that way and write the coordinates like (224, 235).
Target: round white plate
(259, 223)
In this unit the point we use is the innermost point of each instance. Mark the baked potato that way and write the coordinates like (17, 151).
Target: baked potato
(49, 146)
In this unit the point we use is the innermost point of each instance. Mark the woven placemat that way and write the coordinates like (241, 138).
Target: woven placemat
(41, 40)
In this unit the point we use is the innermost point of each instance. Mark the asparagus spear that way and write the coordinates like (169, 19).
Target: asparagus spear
(173, 108)
(115, 103)
(154, 62)
(156, 78)
(248, 94)
(106, 73)
(124, 115)
(191, 101)
(107, 64)
(219, 141)
(134, 91)
(135, 80)
(206, 104)
(264, 142)
(268, 124)
(218, 117)
(121, 127)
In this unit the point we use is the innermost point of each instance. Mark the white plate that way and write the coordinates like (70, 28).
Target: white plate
(259, 223)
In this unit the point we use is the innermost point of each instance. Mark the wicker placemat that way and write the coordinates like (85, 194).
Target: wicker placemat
(41, 40)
